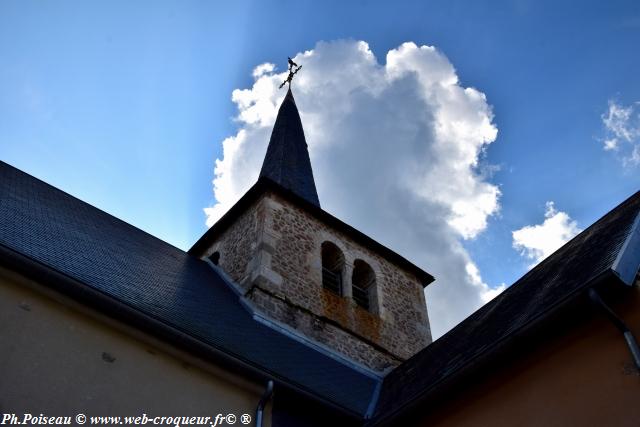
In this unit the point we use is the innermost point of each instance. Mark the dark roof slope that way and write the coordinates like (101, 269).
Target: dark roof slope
(595, 252)
(127, 265)
(63, 234)
(287, 159)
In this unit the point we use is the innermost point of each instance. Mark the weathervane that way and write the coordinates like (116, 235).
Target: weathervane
(293, 69)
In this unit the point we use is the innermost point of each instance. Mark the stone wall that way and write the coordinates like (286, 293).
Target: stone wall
(237, 244)
(323, 330)
(274, 252)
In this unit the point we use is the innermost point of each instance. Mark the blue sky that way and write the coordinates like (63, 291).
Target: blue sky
(125, 104)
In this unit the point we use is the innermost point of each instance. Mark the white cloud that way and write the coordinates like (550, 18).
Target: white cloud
(487, 293)
(536, 242)
(263, 69)
(396, 150)
(610, 144)
(622, 125)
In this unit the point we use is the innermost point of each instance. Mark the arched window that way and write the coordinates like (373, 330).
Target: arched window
(363, 283)
(332, 266)
(215, 257)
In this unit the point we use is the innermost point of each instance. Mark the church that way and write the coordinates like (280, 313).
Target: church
(283, 315)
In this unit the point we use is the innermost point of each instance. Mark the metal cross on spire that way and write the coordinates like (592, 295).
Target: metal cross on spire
(293, 69)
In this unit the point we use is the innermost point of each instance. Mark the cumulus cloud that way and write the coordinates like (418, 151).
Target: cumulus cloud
(622, 124)
(397, 152)
(262, 69)
(536, 242)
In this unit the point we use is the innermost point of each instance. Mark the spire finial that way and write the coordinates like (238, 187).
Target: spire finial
(293, 70)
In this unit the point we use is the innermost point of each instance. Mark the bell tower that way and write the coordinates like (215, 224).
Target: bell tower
(301, 269)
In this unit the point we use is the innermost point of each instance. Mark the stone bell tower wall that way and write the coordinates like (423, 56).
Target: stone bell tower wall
(273, 252)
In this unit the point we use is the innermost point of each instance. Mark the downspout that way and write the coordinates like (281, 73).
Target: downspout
(618, 323)
(263, 402)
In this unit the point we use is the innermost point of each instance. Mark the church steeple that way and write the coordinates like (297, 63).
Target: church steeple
(287, 159)
(307, 272)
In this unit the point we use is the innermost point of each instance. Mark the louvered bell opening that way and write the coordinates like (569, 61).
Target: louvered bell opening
(363, 282)
(332, 281)
(332, 267)
(361, 296)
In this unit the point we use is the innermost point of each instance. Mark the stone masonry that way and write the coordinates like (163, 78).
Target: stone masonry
(273, 251)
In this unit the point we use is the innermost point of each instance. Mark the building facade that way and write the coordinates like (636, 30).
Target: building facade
(283, 313)
(306, 270)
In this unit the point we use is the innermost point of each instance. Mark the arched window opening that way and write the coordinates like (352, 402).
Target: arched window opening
(215, 257)
(332, 266)
(363, 283)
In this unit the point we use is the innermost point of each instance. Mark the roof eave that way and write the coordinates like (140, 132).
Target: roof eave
(265, 184)
(608, 276)
(119, 311)
(626, 264)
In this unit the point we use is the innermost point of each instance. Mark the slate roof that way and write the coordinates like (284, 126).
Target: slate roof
(60, 233)
(287, 160)
(63, 234)
(610, 248)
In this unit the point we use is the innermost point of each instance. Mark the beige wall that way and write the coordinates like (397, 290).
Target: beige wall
(580, 377)
(58, 359)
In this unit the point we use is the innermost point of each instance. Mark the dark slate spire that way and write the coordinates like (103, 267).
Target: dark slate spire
(287, 159)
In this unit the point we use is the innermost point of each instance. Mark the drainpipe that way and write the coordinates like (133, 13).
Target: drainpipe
(263, 402)
(618, 323)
